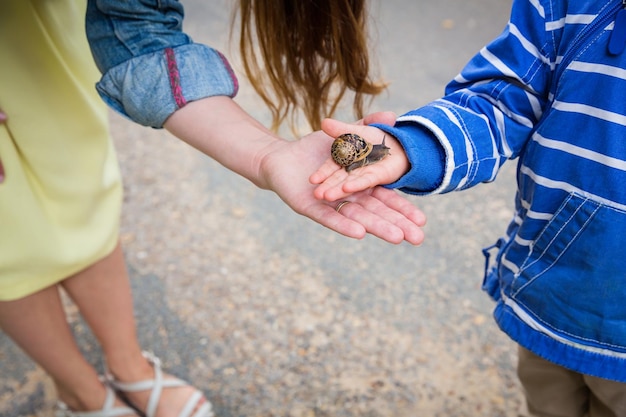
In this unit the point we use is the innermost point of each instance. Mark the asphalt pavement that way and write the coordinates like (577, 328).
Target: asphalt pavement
(271, 314)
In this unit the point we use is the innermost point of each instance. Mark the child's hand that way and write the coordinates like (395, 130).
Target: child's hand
(335, 183)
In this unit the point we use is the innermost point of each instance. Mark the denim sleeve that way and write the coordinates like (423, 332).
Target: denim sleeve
(150, 67)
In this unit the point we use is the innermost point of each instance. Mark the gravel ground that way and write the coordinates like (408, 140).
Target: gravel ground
(273, 315)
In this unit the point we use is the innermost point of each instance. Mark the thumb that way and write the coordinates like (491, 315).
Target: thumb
(381, 117)
(334, 128)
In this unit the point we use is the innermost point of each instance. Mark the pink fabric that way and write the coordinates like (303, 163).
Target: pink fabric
(231, 72)
(172, 69)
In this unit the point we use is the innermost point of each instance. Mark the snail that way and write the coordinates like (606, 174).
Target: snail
(351, 151)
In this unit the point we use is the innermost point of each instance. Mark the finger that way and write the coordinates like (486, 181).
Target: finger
(411, 231)
(326, 215)
(3, 117)
(399, 203)
(341, 184)
(382, 117)
(330, 191)
(378, 217)
(402, 213)
(372, 222)
(332, 188)
(335, 128)
(364, 179)
(328, 168)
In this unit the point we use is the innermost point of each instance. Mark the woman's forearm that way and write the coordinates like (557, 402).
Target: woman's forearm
(221, 129)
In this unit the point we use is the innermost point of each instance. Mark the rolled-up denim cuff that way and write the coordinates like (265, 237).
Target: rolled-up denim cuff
(149, 88)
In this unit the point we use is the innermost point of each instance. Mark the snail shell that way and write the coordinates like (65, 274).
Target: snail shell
(352, 151)
(350, 148)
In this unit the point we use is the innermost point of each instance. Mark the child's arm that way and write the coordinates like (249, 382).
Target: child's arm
(487, 116)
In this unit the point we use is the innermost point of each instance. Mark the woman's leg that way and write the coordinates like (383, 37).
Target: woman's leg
(37, 323)
(103, 295)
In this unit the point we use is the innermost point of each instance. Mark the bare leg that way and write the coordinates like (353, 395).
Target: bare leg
(37, 324)
(103, 295)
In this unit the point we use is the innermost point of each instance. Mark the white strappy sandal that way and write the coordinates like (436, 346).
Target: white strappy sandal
(157, 385)
(108, 410)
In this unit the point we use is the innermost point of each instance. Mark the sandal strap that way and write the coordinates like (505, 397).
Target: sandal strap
(108, 409)
(145, 384)
(203, 411)
(156, 385)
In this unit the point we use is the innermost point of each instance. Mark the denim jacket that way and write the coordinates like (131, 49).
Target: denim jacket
(150, 67)
(550, 93)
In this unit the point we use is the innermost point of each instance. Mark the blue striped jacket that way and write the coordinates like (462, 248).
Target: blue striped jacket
(548, 93)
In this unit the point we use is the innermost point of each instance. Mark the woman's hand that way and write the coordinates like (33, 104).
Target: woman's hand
(335, 183)
(221, 129)
(378, 211)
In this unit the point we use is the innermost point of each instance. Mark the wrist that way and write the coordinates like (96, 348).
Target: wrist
(423, 156)
(268, 162)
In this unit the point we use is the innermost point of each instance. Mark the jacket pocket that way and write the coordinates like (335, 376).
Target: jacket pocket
(574, 279)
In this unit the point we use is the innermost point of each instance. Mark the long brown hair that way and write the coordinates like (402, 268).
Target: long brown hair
(305, 54)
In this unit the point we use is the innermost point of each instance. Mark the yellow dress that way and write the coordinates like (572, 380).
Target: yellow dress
(61, 198)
